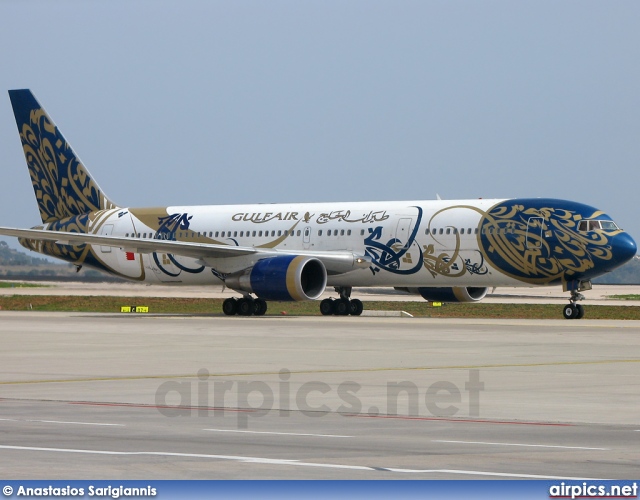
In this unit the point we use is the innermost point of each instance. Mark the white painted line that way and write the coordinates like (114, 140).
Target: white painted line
(278, 433)
(74, 423)
(59, 422)
(386, 314)
(520, 444)
(275, 461)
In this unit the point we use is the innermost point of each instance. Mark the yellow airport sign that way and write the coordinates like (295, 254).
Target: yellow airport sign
(134, 309)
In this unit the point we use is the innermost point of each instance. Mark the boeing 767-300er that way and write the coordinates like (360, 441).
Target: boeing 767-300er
(448, 251)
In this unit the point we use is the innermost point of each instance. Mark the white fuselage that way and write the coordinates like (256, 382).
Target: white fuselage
(445, 233)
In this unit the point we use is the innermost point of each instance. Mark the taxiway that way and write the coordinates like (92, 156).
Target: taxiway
(195, 397)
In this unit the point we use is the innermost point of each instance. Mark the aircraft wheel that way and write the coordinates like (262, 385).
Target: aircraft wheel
(570, 311)
(341, 307)
(326, 307)
(245, 307)
(356, 307)
(230, 306)
(259, 307)
(580, 309)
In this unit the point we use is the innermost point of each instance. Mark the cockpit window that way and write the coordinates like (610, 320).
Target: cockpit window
(591, 225)
(609, 225)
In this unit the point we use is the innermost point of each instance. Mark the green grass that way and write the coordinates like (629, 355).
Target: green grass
(11, 284)
(214, 307)
(630, 296)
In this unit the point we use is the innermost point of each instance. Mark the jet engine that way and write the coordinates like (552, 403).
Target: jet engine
(284, 278)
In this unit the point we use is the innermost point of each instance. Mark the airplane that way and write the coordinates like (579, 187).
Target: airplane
(442, 250)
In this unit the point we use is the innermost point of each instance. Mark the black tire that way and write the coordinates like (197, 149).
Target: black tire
(259, 307)
(230, 307)
(356, 307)
(570, 311)
(326, 307)
(341, 307)
(245, 307)
(580, 309)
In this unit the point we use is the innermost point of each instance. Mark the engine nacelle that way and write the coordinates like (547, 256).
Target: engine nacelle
(450, 294)
(284, 278)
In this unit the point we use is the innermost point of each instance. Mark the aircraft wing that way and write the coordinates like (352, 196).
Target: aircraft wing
(334, 261)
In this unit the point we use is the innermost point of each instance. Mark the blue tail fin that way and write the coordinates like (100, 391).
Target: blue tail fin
(63, 186)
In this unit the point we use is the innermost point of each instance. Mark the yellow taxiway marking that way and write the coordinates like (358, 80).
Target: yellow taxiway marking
(311, 372)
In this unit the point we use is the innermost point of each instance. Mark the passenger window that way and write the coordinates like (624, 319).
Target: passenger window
(260, 234)
(298, 232)
(328, 232)
(254, 234)
(441, 231)
(349, 232)
(426, 231)
(342, 232)
(361, 232)
(319, 232)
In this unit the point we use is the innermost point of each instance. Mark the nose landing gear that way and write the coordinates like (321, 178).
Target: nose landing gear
(573, 310)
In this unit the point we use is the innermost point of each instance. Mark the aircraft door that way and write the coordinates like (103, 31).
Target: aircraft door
(403, 231)
(306, 238)
(107, 230)
(534, 232)
(128, 263)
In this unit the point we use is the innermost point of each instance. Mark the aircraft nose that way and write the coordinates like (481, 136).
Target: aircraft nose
(624, 248)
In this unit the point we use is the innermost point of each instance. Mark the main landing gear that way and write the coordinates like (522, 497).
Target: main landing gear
(344, 306)
(246, 306)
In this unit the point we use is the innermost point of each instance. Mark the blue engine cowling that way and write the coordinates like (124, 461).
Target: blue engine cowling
(450, 294)
(285, 278)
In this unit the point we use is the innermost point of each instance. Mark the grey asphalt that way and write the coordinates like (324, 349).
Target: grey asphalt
(88, 396)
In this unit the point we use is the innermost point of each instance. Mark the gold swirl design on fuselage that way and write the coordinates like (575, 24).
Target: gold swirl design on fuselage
(541, 245)
(537, 245)
(82, 253)
(451, 265)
